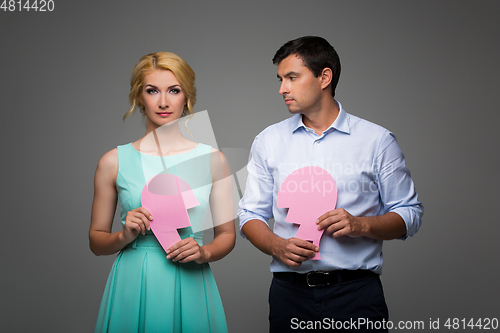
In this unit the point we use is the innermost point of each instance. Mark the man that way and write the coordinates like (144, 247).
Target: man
(376, 200)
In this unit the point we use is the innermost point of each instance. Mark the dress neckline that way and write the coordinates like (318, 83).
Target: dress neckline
(167, 156)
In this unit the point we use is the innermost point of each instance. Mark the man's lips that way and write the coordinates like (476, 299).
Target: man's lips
(288, 100)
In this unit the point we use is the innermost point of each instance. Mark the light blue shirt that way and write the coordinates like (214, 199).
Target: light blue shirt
(370, 173)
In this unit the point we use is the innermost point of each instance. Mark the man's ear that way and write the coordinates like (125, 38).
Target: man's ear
(326, 77)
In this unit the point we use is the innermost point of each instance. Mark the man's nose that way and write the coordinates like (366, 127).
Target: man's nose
(283, 88)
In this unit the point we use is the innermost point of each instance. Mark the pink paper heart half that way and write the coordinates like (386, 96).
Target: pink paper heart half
(167, 197)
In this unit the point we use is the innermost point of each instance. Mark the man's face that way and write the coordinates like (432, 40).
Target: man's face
(300, 89)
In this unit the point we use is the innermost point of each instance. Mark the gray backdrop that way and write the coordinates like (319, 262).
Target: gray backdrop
(427, 70)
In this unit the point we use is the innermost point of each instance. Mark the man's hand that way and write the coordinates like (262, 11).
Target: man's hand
(339, 222)
(293, 251)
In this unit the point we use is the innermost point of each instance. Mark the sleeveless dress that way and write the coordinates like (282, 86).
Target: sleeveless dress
(146, 292)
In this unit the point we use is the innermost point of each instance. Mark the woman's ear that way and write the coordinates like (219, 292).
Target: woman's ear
(139, 98)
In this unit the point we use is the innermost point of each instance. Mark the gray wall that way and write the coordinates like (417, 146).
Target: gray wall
(427, 70)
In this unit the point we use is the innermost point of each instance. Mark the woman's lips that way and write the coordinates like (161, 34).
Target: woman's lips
(164, 114)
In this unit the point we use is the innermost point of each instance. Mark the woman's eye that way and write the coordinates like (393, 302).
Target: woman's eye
(151, 91)
(175, 91)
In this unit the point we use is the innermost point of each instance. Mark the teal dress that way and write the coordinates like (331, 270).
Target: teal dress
(146, 292)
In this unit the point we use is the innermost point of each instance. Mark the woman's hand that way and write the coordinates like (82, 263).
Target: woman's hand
(137, 221)
(187, 250)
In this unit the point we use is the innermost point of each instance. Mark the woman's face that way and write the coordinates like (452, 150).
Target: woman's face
(162, 97)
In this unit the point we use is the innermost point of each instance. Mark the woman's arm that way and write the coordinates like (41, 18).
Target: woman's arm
(222, 208)
(101, 240)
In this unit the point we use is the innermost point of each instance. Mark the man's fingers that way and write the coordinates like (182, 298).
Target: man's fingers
(325, 216)
(292, 263)
(299, 250)
(333, 228)
(328, 221)
(328, 214)
(303, 244)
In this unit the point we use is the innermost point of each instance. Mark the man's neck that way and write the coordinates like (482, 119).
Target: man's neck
(320, 120)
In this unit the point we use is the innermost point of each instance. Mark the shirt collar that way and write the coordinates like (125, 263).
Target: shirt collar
(340, 124)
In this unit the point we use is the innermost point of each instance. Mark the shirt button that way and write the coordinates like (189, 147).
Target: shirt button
(317, 141)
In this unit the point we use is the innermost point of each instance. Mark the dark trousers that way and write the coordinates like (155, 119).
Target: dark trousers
(353, 306)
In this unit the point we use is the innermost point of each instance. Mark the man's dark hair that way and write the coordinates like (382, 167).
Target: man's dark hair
(316, 53)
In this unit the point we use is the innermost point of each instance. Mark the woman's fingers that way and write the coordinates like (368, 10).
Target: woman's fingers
(138, 219)
(146, 217)
(184, 251)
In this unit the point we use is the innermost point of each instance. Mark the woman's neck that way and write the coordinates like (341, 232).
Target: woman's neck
(164, 140)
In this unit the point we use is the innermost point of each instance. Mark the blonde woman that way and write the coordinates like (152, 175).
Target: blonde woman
(150, 289)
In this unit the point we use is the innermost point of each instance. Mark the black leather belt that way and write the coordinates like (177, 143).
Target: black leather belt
(321, 279)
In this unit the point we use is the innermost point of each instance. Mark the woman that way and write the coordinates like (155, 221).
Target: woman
(150, 289)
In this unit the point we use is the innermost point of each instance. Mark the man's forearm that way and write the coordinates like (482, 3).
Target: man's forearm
(385, 227)
(259, 234)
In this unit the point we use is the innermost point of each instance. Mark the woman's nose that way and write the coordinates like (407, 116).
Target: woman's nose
(163, 103)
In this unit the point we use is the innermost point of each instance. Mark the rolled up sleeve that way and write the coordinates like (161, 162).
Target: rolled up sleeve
(397, 190)
(257, 202)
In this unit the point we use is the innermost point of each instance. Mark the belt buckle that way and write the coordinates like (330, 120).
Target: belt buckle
(325, 274)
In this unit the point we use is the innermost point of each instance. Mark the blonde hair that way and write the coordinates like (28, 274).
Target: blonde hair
(161, 61)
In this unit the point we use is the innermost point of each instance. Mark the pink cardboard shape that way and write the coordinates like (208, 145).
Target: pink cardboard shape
(168, 197)
(308, 192)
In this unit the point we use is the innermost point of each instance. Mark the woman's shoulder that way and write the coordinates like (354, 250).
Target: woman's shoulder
(110, 156)
(215, 153)
(219, 164)
(108, 162)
